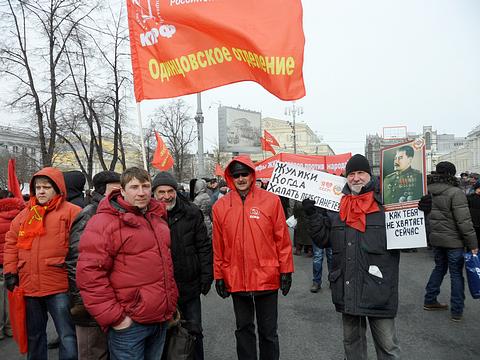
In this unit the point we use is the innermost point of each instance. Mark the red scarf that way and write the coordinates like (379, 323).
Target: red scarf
(354, 209)
(34, 224)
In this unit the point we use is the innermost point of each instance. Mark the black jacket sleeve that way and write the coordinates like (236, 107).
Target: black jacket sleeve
(203, 246)
(319, 226)
(76, 232)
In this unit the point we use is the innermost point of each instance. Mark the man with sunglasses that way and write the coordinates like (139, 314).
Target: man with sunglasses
(252, 258)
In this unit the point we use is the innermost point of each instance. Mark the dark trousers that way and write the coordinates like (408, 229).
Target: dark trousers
(192, 311)
(265, 308)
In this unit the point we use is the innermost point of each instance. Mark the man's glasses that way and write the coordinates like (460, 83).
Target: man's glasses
(245, 174)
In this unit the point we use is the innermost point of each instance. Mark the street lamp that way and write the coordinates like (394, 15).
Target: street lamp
(200, 119)
(294, 111)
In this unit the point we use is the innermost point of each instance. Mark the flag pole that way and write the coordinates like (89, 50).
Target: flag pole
(144, 155)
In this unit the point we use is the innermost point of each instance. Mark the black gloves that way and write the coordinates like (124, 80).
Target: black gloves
(205, 288)
(11, 280)
(221, 289)
(285, 282)
(308, 206)
(425, 204)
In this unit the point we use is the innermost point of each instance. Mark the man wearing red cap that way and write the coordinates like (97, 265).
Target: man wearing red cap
(364, 275)
(252, 258)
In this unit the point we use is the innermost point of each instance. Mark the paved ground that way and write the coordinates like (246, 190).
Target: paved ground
(309, 328)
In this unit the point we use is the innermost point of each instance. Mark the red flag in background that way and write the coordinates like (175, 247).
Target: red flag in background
(266, 146)
(13, 185)
(270, 138)
(184, 47)
(218, 170)
(162, 159)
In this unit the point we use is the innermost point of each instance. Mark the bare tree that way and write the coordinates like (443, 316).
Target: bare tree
(97, 61)
(174, 123)
(35, 38)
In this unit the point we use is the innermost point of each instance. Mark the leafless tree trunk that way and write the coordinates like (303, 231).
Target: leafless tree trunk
(32, 53)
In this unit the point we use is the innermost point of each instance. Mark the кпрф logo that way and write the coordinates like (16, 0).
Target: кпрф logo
(147, 15)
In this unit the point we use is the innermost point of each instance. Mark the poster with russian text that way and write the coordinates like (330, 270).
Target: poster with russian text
(298, 183)
(405, 229)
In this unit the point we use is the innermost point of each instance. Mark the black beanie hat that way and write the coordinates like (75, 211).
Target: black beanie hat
(103, 178)
(357, 163)
(164, 178)
(237, 167)
(446, 168)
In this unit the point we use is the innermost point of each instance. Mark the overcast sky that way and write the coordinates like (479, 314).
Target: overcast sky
(375, 63)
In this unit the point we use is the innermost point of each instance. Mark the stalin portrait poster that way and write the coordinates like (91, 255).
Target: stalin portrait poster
(402, 173)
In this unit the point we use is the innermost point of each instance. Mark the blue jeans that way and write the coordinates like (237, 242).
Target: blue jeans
(137, 342)
(318, 262)
(37, 316)
(192, 311)
(452, 260)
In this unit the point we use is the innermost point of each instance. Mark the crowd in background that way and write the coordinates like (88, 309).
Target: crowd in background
(71, 274)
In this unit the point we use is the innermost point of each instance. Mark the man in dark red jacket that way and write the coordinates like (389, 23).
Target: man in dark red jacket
(252, 258)
(125, 271)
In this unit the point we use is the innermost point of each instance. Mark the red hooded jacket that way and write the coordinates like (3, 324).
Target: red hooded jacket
(42, 269)
(9, 208)
(124, 266)
(251, 243)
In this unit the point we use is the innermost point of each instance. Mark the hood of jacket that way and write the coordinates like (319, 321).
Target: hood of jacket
(245, 160)
(200, 187)
(74, 182)
(110, 205)
(439, 183)
(55, 175)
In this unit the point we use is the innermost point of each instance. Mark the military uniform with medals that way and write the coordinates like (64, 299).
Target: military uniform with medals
(401, 186)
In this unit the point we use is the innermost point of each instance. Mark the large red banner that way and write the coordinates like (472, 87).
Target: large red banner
(334, 164)
(181, 47)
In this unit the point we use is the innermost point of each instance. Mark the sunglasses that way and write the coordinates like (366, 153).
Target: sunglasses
(245, 174)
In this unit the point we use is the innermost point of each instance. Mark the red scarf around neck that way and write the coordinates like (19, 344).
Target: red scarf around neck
(354, 209)
(34, 224)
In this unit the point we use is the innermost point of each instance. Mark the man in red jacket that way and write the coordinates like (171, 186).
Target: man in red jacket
(125, 271)
(252, 258)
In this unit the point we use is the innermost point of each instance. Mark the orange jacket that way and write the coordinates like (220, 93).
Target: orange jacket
(251, 243)
(42, 269)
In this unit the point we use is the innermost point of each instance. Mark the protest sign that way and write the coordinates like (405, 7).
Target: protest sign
(405, 229)
(296, 182)
(334, 164)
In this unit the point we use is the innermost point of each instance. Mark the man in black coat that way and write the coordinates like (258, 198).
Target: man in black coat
(91, 340)
(191, 252)
(364, 275)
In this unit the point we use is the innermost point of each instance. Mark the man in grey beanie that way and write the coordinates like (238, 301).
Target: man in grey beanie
(191, 251)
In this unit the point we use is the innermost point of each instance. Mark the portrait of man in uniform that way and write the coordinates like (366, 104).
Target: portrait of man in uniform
(405, 183)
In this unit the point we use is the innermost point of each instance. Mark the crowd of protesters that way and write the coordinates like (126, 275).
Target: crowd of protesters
(116, 270)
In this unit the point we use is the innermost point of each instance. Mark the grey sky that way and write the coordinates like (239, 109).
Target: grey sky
(369, 64)
(375, 63)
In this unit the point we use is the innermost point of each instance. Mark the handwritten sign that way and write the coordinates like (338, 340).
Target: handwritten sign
(405, 229)
(298, 183)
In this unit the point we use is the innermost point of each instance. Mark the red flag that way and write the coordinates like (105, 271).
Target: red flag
(266, 146)
(162, 159)
(270, 138)
(218, 170)
(184, 47)
(13, 185)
